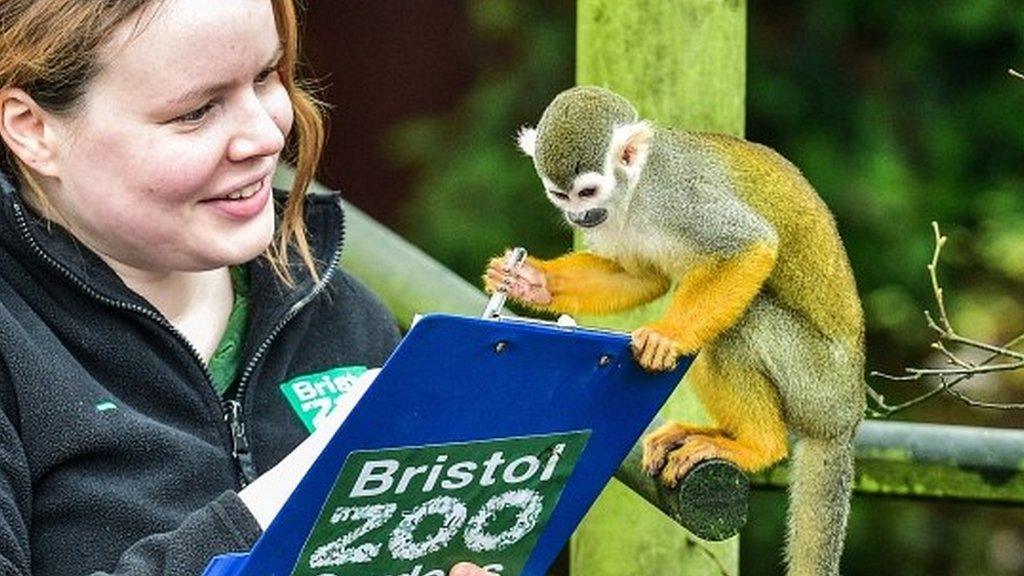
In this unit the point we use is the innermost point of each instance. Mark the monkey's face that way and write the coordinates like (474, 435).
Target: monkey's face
(585, 202)
(583, 140)
(577, 170)
(587, 189)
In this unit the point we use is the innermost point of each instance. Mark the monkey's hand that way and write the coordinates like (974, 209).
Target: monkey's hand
(527, 284)
(655, 351)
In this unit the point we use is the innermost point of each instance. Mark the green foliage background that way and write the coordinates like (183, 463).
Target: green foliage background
(477, 193)
(899, 113)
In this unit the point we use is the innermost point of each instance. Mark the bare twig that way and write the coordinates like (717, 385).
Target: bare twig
(884, 410)
(952, 358)
(949, 334)
(980, 404)
(950, 377)
(918, 373)
(940, 241)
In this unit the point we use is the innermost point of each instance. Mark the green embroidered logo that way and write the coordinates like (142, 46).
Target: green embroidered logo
(312, 396)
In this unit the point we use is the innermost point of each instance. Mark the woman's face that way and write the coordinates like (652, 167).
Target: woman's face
(167, 165)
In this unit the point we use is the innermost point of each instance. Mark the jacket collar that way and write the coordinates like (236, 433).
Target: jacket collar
(38, 242)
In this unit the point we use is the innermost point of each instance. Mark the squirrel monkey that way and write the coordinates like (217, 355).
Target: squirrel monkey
(761, 287)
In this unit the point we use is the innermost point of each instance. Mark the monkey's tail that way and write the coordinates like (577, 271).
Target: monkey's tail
(821, 478)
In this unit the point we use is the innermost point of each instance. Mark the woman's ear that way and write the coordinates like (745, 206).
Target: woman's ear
(27, 131)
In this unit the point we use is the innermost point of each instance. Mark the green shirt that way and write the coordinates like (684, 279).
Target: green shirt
(227, 358)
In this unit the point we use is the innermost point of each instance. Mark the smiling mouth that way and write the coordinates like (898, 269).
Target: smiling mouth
(247, 192)
(588, 219)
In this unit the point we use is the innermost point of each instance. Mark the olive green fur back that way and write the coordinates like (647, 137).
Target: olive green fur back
(813, 273)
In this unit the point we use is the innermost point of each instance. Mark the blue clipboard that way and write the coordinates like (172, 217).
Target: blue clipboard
(454, 382)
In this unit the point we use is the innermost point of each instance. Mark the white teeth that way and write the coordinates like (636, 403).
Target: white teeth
(246, 192)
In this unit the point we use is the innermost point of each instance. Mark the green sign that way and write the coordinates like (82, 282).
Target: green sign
(417, 511)
(313, 396)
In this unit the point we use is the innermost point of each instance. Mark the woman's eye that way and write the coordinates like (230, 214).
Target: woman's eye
(196, 115)
(262, 77)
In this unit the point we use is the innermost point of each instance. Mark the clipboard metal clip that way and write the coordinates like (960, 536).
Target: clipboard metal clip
(496, 304)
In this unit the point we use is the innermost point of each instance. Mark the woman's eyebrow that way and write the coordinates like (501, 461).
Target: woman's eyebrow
(207, 91)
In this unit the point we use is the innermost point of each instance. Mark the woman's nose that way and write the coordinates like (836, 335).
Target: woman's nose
(257, 133)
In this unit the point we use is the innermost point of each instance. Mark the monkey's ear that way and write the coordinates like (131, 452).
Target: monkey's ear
(527, 140)
(630, 143)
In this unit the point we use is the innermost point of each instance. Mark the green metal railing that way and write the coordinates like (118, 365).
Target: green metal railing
(933, 461)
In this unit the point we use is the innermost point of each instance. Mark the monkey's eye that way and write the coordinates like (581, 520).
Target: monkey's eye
(559, 195)
(588, 192)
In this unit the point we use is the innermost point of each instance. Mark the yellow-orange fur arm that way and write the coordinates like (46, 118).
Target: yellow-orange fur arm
(713, 296)
(584, 283)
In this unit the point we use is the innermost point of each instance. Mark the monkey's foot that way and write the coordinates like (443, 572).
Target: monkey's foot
(667, 438)
(697, 449)
(653, 350)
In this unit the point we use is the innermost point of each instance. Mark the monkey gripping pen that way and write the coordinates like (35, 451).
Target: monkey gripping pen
(513, 261)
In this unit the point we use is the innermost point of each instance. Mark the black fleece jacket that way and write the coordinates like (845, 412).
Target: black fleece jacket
(116, 454)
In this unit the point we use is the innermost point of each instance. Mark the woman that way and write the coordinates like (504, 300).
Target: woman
(150, 307)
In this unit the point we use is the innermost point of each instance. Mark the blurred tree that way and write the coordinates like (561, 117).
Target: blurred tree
(477, 194)
(379, 64)
(901, 115)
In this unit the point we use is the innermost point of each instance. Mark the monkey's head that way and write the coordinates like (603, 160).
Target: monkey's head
(588, 149)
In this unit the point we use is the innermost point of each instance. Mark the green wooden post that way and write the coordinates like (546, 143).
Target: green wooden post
(682, 63)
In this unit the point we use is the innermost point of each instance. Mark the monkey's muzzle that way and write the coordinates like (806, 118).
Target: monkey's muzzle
(588, 219)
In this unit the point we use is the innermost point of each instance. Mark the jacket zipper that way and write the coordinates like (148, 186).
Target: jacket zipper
(239, 442)
(231, 409)
(148, 313)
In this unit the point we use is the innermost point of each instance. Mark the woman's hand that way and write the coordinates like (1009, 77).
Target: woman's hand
(467, 569)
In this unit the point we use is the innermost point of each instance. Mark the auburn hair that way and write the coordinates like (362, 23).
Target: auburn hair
(51, 49)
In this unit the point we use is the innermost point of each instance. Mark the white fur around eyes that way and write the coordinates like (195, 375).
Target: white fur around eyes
(589, 180)
(549, 185)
